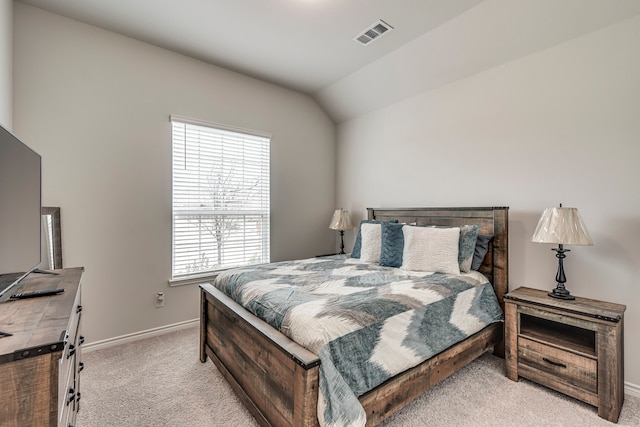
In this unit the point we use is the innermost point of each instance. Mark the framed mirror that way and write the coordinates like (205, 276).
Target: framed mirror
(51, 238)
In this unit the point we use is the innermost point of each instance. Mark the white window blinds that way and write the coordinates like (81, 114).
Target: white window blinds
(220, 198)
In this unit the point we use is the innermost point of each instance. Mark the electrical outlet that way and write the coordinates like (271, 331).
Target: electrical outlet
(160, 299)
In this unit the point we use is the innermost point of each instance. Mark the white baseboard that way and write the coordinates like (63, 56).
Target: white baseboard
(632, 389)
(123, 339)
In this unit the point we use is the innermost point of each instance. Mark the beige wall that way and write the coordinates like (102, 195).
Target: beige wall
(96, 106)
(6, 63)
(561, 125)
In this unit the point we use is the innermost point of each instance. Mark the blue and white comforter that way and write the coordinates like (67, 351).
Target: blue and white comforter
(366, 323)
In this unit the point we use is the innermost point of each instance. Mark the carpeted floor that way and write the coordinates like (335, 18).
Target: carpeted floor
(160, 382)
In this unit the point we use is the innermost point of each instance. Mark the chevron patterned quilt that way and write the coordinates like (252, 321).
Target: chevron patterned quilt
(367, 323)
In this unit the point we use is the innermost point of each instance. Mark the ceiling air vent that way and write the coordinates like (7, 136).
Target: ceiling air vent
(375, 31)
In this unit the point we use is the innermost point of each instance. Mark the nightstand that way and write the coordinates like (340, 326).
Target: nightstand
(575, 347)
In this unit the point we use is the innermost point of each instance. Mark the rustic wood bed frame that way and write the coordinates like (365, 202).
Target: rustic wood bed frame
(277, 379)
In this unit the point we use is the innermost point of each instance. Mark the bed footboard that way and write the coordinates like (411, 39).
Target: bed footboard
(393, 395)
(276, 378)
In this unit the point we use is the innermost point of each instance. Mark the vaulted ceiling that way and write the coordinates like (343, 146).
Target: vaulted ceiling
(308, 45)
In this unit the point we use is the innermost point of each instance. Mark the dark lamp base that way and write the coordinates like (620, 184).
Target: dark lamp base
(561, 293)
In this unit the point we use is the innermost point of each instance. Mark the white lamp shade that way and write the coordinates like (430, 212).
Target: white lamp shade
(340, 220)
(562, 226)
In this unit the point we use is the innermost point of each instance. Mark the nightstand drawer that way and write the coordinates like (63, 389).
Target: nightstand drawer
(552, 366)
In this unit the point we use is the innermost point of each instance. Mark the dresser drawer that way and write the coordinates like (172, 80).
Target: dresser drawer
(559, 369)
(67, 388)
(64, 410)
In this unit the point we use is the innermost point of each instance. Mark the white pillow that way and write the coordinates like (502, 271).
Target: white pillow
(431, 249)
(371, 237)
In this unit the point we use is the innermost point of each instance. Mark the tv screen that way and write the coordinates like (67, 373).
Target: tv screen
(20, 211)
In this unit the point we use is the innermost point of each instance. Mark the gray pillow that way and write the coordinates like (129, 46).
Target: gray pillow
(467, 245)
(480, 251)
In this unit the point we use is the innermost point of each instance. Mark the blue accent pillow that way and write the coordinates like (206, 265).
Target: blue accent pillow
(357, 245)
(392, 244)
(480, 251)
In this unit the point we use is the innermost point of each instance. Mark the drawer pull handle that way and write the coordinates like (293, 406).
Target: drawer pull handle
(72, 351)
(78, 309)
(81, 341)
(80, 367)
(72, 396)
(551, 362)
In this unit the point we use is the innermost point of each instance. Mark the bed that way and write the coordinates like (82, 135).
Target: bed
(278, 380)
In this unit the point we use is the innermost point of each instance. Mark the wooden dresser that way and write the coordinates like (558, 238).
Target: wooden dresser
(40, 363)
(575, 347)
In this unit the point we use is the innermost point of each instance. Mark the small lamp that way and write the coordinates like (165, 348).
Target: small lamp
(563, 226)
(341, 222)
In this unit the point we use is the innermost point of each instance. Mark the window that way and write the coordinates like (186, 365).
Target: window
(220, 198)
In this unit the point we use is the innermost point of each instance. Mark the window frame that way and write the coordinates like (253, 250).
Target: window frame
(257, 212)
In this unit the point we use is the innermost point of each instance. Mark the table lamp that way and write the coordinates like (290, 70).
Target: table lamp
(563, 226)
(341, 222)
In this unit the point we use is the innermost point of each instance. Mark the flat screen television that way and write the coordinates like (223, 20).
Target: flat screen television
(20, 212)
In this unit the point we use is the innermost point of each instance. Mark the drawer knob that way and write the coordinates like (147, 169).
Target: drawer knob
(80, 367)
(72, 350)
(72, 396)
(551, 362)
(78, 309)
(81, 340)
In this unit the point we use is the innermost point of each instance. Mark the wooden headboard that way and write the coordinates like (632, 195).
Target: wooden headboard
(493, 221)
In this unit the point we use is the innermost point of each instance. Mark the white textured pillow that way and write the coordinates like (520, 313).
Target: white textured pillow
(431, 249)
(371, 237)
